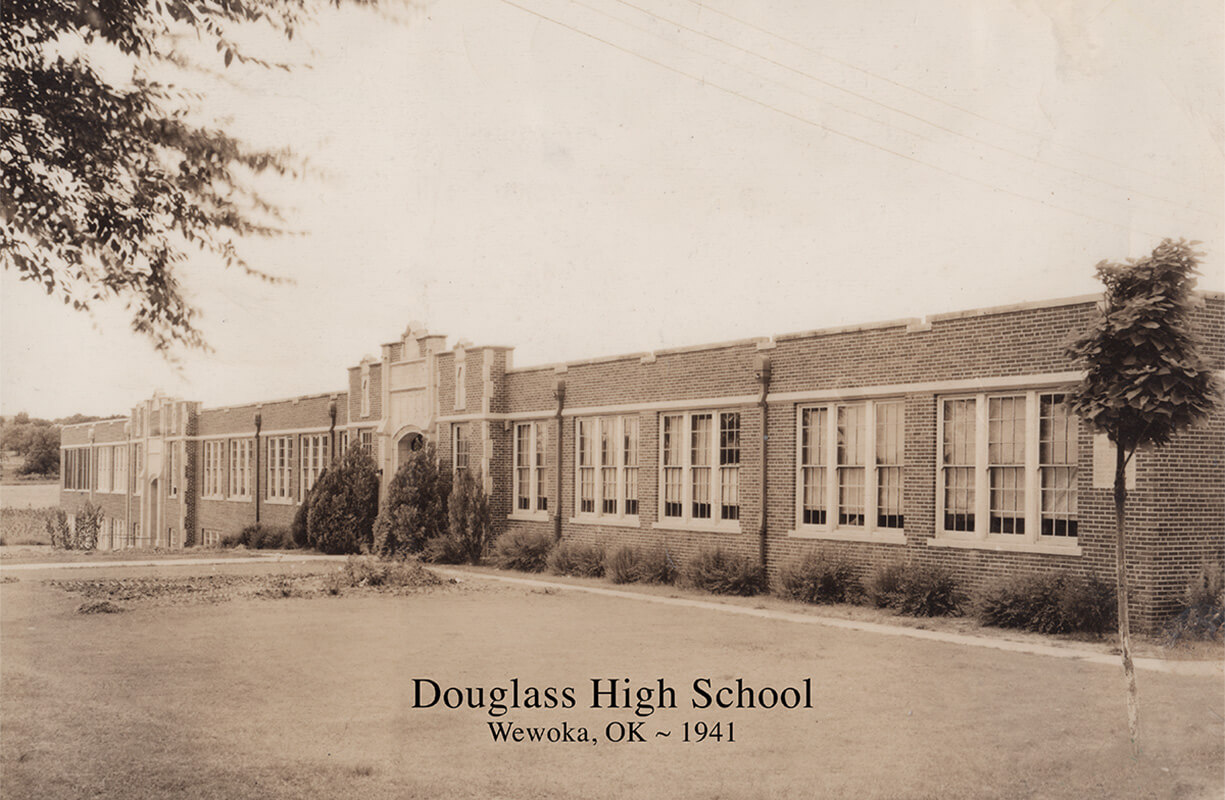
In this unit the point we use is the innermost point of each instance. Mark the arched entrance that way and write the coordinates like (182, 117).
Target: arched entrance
(408, 444)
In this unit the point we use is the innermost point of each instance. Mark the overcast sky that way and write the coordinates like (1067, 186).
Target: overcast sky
(592, 177)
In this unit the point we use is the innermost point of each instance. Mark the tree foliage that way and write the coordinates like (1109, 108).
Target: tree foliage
(42, 456)
(107, 183)
(471, 527)
(1145, 375)
(415, 509)
(344, 504)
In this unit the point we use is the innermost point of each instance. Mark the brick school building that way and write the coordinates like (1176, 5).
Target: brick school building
(936, 441)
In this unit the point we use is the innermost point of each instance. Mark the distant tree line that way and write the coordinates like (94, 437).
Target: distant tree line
(37, 441)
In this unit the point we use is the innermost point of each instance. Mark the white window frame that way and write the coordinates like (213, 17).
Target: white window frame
(537, 471)
(456, 428)
(687, 521)
(213, 487)
(617, 427)
(981, 535)
(105, 472)
(119, 476)
(833, 528)
(279, 471)
(241, 451)
(314, 460)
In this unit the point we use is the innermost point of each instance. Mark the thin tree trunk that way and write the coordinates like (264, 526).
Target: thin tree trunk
(1129, 671)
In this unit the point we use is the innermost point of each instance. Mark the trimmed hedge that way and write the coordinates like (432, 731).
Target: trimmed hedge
(259, 536)
(1057, 602)
(630, 564)
(719, 572)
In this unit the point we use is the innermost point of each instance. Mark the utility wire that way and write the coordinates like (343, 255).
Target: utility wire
(822, 126)
(953, 132)
(921, 93)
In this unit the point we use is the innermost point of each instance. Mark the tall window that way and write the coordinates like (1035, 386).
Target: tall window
(106, 457)
(76, 469)
(1009, 467)
(214, 469)
(461, 386)
(607, 463)
(343, 442)
(365, 387)
(240, 467)
(138, 467)
(314, 459)
(459, 447)
(700, 466)
(280, 468)
(366, 439)
(851, 458)
(172, 468)
(531, 444)
(1057, 434)
(120, 480)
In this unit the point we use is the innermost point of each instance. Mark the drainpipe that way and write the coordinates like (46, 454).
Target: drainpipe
(259, 421)
(763, 377)
(560, 394)
(331, 430)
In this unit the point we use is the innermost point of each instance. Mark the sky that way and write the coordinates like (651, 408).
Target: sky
(582, 178)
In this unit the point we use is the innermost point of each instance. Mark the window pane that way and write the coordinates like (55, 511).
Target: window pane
(629, 428)
(889, 460)
(701, 426)
(958, 464)
(851, 458)
(729, 469)
(1006, 463)
(672, 460)
(1057, 455)
(812, 463)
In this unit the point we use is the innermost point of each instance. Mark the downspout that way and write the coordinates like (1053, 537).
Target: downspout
(763, 377)
(331, 430)
(259, 421)
(560, 394)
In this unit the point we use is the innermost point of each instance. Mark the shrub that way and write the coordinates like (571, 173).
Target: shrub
(345, 504)
(578, 559)
(445, 549)
(468, 514)
(526, 551)
(1201, 613)
(82, 535)
(719, 572)
(1049, 603)
(415, 510)
(817, 577)
(629, 564)
(368, 572)
(884, 588)
(916, 590)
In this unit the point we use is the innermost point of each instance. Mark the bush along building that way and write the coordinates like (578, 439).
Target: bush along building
(942, 441)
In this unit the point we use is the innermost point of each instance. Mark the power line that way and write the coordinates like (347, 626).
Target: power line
(922, 93)
(822, 126)
(967, 137)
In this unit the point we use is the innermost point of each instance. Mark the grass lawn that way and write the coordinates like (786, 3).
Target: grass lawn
(312, 697)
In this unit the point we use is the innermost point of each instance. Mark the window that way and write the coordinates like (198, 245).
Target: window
(1008, 467)
(280, 469)
(210, 537)
(241, 451)
(365, 400)
(172, 467)
(314, 459)
(530, 481)
(106, 460)
(607, 465)
(119, 482)
(366, 440)
(700, 466)
(850, 466)
(344, 442)
(461, 386)
(76, 469)
(1057, 433)
(459, 447)
(138, 467)
(214, 469)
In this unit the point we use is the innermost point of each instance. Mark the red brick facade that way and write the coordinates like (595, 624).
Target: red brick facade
(976, 387)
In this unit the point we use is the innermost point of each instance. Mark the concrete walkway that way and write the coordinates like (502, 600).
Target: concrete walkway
(1070, 652)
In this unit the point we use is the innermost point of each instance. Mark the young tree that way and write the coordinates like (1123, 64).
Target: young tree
(107, 186)
(415, 510)
(470, 523)
(43, 452)
(344, 503)
(1145, 380)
